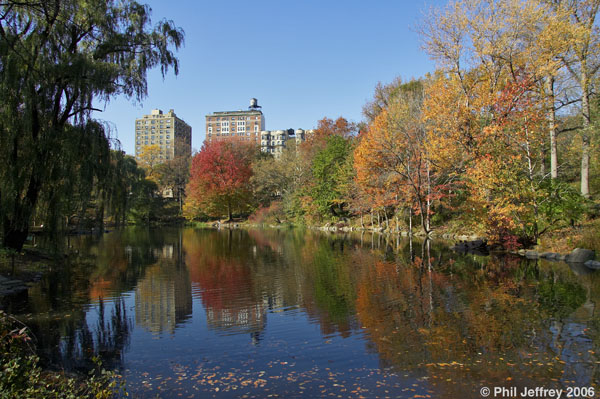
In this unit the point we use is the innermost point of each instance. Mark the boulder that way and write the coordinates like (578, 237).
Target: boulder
(532, 254)
(580, 255)
(592, 264)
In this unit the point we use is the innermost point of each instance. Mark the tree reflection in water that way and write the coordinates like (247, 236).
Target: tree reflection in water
(452, 319)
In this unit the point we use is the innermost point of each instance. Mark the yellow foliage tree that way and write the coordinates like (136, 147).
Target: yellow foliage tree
(149, 159)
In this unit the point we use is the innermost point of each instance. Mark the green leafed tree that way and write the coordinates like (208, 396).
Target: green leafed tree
(332, 170)
(58, 57)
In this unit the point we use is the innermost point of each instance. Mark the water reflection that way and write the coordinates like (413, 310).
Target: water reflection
(163, 297)
(413, 311)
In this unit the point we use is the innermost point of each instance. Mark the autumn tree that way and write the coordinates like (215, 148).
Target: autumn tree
(220, 178)
(174, 174)
(499, 66)
(326, 127)
(384, 96)
(583, 62)
(484, 43)
(149, 159)
(56, 58)
(273, 178)
(392, 159)
(300, 202)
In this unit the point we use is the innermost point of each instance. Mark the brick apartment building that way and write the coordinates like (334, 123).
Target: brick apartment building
(249, 126)
(242, 125)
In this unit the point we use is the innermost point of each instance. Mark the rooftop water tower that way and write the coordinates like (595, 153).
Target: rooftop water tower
(254, 104)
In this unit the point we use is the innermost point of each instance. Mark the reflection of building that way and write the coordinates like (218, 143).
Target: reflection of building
(163, 298)
(247, 318)
(166, 252)
(170, 134)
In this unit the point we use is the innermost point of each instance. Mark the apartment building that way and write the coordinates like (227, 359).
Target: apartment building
(172, 135)
(249, 126)
(241, 125)
(275, 141)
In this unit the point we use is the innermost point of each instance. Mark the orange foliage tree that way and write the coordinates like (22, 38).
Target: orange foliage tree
(392, 160)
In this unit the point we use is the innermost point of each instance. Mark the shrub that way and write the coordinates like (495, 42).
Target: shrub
(500, 231)
(22, 377)
(270, 214)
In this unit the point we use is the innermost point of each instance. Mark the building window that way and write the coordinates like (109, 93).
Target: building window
(256, 128)
(209, 130)
(225, 126)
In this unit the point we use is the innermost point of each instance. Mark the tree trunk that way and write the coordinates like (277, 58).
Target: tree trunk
(100, 217)
(552, 128)
(428, 207)
(387, 220)
(180, 199)
(410, 221)
(585, 136)
(16, 228)
(229, 212)
(14, 237)
(362, 224)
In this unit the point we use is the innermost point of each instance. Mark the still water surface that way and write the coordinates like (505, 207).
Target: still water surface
(269, 313)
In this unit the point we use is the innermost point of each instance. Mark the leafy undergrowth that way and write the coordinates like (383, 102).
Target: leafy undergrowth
(273, 214)
(563, 241)
(22, 377)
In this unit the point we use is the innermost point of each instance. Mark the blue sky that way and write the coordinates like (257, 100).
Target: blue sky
(303, 60)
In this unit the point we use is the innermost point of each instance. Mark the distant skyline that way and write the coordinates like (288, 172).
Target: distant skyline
(303, 61)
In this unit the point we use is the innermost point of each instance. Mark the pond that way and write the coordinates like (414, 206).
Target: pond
(290, 313)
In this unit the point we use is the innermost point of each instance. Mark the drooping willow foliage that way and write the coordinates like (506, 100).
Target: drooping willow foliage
(56, 58)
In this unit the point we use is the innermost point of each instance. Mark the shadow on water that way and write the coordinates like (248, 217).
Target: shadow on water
(368, 306)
